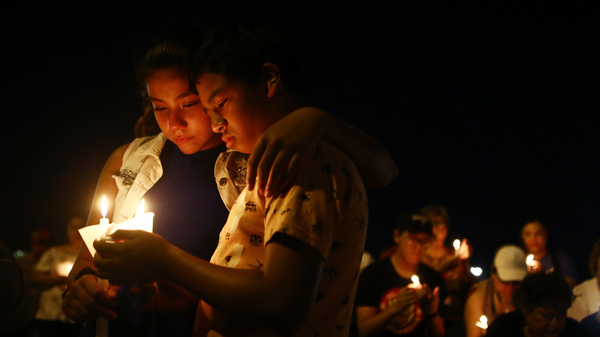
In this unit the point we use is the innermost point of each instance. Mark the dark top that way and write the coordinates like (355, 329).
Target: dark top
(189, 213)
(511, 324)
(379, 284)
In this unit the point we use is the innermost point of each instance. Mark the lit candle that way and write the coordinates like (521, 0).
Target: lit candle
(103, 211)
(456, 245)
(482, 323)
(101, 322)
(416, 284)
(530, 262)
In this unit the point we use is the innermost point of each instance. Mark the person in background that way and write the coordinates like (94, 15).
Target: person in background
(17, 305)
(387, 303)
(451, 263)
(494, 296)
(587, 293)
(40, 242)
(189, 201)
(537, 241)
(542, 302)
(51, 272)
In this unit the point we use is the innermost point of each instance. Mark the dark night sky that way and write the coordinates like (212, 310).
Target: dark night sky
(489, 114)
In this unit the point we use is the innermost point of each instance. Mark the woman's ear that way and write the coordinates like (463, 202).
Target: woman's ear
(272, 78)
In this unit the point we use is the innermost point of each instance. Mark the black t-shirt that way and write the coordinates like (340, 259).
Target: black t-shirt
(379, 284)
(511, 324)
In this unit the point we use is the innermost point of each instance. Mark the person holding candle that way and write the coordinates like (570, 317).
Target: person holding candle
(587, 293)
(387, 302)
(51, 275)
(493, 297)
(287, 263)
(536, 241)
(451, 262)
(179, 114)
(542, 302)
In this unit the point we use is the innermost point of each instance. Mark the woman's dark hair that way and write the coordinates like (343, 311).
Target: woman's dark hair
(239, 51)
(540, 288)
(171, 50)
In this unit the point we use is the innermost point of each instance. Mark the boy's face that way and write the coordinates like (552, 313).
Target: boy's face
(412, 246)
(237, 110)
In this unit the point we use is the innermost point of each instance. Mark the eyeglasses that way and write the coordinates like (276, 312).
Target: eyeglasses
(412, 242)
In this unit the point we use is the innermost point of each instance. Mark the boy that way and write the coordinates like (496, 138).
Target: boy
(387, 302)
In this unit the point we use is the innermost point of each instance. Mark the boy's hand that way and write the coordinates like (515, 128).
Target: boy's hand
(134, 256)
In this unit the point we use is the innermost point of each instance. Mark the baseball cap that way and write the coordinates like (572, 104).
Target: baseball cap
(509, 263)
(414, 223)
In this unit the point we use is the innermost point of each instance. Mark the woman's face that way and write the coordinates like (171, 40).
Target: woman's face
(547, 320)
(439, 227)
(179, 113)
(534, 237)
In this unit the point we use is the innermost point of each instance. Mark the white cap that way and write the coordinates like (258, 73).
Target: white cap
(510, 264)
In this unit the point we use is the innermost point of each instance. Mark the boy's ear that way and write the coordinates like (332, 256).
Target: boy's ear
(272, 78)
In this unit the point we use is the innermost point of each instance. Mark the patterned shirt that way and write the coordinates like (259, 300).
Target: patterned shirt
(326, 209)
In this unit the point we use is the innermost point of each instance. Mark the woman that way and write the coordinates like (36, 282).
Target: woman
(454, 266)
(535, 239)
(50, 274)
(494, 296)
(173, 172)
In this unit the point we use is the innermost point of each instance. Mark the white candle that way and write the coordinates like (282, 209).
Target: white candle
(101, 322)
(103, 211)
(482, 322)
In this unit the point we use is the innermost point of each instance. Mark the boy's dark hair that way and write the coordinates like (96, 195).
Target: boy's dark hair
(239, 51)
(541, 288)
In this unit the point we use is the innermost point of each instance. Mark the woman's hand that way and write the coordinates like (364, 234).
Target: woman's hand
(86, 299)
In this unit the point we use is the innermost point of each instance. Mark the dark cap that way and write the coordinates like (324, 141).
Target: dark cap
(414, 223)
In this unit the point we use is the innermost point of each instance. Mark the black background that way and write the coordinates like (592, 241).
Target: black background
(490, 111)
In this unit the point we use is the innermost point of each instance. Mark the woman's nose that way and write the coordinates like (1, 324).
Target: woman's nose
(177, 120)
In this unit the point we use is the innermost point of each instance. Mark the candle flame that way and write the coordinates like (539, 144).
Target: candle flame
(140, 209)
(482, 322)
(456, 244)
(415, 280)
(103, 207)
(529, 259)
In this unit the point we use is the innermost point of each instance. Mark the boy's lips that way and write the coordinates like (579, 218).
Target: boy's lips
(182, 139)
(228, 140)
